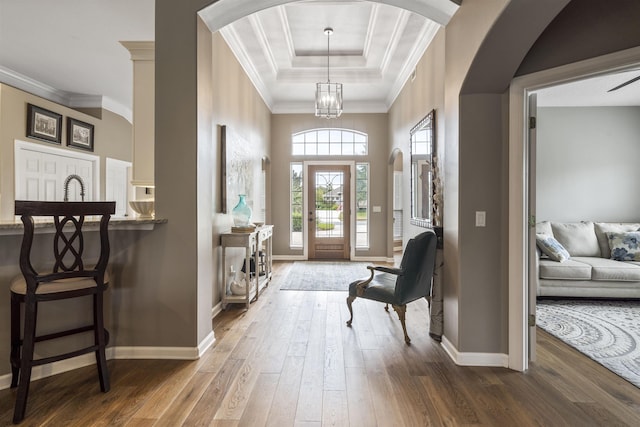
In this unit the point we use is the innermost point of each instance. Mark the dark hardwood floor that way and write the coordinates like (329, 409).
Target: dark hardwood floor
(291, 361)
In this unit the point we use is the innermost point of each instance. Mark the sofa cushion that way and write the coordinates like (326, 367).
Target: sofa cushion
(551, 248)
(608, 269)
(578, 238)
(568, 270)
(603, 227)
(624, 246)
(544, 227)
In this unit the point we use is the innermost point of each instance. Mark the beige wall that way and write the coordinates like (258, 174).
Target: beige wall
(112, 137)
(237, 105)
(375, 125)
(417, 98)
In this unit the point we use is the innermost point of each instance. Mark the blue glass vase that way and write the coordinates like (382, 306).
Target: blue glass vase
(241, 212)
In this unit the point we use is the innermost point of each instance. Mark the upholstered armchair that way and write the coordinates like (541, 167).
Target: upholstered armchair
(399, 286)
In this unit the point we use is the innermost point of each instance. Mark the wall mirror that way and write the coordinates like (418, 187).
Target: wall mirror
(423, 172)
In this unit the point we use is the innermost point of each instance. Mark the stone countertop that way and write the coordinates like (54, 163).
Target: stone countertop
(115, 223)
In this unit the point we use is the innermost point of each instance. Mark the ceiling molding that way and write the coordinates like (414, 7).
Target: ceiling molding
(304, 107)
(224, 12)
(396, 36)
(67, 99)
(262, 38)
(230, 36)
(141, 50)
(429, 31)
(373, 19)
(287, 34)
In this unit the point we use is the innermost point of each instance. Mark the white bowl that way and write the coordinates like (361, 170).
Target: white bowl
(144, 208)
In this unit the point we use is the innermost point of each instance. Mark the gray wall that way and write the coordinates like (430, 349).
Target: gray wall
(375, 125)
(587, 164)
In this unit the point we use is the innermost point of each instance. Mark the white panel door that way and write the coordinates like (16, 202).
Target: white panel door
(40, 173)
(118, 176)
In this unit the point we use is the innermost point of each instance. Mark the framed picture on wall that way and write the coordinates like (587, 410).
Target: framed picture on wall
(44, 124)
(79, 134)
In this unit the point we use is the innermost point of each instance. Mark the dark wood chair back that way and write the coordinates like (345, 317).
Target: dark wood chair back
(68, 239)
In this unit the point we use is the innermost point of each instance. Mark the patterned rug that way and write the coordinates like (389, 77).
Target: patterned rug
(606, 331)
(324, 275)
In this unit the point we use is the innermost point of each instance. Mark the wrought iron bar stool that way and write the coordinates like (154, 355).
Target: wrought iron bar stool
(70, 277)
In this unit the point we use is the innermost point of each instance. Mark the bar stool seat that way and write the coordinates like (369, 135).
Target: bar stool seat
(19, 285)
(69, 277)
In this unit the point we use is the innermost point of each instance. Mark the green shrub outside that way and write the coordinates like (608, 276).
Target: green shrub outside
(324, 226)
(296, 219)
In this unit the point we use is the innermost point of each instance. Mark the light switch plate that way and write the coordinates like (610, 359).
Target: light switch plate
(377, 209)
(481, 218)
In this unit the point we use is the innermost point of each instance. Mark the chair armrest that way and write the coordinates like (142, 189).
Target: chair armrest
(390, 270)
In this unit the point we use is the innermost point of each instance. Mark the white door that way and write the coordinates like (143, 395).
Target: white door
(117, 188)
(531, 199)
(40, 173)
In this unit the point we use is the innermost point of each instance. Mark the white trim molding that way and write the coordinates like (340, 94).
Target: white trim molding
(289, 258)
(118, 353)
(518, 93)
(68, 99)
(500, 360)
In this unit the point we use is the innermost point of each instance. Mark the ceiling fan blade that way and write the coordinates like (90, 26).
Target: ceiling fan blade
(628, 82)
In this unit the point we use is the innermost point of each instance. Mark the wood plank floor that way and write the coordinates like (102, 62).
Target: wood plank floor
(291, 361)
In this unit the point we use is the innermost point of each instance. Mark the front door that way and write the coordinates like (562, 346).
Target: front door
(329, 211)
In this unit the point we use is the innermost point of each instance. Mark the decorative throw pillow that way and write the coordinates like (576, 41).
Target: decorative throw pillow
(552, 248)
(578, 238)
(625, 246)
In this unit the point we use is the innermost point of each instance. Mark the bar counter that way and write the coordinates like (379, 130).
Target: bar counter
(10, 227)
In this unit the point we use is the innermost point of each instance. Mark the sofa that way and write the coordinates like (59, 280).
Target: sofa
(588, 259)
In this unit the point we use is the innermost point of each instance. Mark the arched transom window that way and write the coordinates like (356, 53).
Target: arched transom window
(329, 142)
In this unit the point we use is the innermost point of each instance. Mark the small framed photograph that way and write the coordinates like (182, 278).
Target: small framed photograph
(79, 134)
(44, 124)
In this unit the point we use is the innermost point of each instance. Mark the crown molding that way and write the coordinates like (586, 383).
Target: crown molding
(428, 32)
(305, 107)
(230, 36)
(141, 50)
(68, 99)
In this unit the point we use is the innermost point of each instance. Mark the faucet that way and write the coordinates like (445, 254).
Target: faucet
(66, 186)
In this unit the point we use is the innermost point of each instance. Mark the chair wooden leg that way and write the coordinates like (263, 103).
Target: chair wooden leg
(26, 362)
(100, 335)
(15, 340)
(350, 300)
(402, 310)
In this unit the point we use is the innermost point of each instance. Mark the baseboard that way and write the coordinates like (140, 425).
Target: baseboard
(372, 259)
(474, 359)
(177, 353)
(44, 371)
(289, 258)
(205, 344)
(174, 353)
(216, 309)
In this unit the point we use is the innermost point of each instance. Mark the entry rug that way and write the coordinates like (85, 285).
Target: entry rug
(324, 275)
(606, 331)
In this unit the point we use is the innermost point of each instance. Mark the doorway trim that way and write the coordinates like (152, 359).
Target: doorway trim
(305, 203)
(518, 180)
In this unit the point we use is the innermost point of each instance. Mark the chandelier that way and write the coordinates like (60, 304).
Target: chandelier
(328, 95)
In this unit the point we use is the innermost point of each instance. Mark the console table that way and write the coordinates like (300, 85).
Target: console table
(253, 242)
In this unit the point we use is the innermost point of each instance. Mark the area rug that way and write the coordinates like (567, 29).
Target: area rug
(324, 275)
(606, 331)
